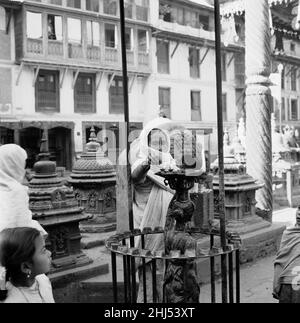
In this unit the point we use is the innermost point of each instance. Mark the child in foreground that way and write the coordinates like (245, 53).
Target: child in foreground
(24, 256)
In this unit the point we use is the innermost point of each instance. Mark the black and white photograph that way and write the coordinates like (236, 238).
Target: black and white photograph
(149, 154)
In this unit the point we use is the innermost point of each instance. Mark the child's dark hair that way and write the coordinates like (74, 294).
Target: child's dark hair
(17, 246)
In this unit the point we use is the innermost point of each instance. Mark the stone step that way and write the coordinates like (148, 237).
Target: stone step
(98, 228)
(66, 284)
(93, 240)
(97, 268)
(100, 292)
(99, 289)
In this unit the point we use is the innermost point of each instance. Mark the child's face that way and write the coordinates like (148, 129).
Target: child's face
(41, 258)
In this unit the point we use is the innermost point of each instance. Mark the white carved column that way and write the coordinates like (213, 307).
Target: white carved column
(258, 100)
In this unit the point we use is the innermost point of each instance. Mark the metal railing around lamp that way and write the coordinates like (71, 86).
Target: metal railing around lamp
(119, 246)
(179, 254)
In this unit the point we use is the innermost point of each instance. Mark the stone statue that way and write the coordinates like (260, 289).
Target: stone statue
(180, 272)
(289, 138)
(181, 283)
(239, 150)
(242, 132)
(226, 141)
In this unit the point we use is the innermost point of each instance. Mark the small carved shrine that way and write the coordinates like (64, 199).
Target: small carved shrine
(94, 180)
(55, 207)
(240, 189)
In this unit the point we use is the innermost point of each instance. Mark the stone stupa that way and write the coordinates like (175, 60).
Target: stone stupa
(94, 180)
(54, 205)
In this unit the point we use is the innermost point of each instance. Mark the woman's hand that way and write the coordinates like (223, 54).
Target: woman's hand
(155, 158)
(139, 174)
(146, 164)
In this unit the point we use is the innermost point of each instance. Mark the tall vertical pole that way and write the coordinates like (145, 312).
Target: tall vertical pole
(220, 149)
(280, 71)
(126, 108)
(127, 149)
(258, 101)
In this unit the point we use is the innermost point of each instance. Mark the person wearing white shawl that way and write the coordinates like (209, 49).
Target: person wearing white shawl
(151, 197)
(286, 283)
(14, 199)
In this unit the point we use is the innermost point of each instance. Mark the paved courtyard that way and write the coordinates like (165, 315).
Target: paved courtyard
(256, 283)
(257, 278)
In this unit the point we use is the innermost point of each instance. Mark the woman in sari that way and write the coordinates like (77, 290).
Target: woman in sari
(151, 197)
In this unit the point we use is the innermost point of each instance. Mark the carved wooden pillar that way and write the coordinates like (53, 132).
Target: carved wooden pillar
(17, 136)
(71, 158)
(258, 101)
(46, 134)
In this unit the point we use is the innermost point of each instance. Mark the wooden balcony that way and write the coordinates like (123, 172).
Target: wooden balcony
(93, 53)
(75, 51)
(111, 56)
(55, 48)
(144, 60)
(35, 46)
(58, 52)
(130, 57)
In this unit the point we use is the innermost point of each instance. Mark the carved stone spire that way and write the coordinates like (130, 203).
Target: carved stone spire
(239, 150)
(44, 148)
(94, 163)
(226, 142)
(93, 145)
(242, 132)
(93, 136)
(94, 178)
(44, 169)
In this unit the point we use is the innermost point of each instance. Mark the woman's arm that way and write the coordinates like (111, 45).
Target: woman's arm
(140, 173)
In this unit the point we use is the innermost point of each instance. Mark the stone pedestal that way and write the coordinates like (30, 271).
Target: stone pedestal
(240, 189)
(259, 237)
(94, 180)
(55, 207)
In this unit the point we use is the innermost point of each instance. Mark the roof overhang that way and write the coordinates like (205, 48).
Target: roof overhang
(237, 7)
(80, 67)
(11, 4)
(192, 40)
(203, 4)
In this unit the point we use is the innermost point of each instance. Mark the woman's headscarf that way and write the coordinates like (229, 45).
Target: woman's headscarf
(12, 166)
(140, 149)
(14, 199)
